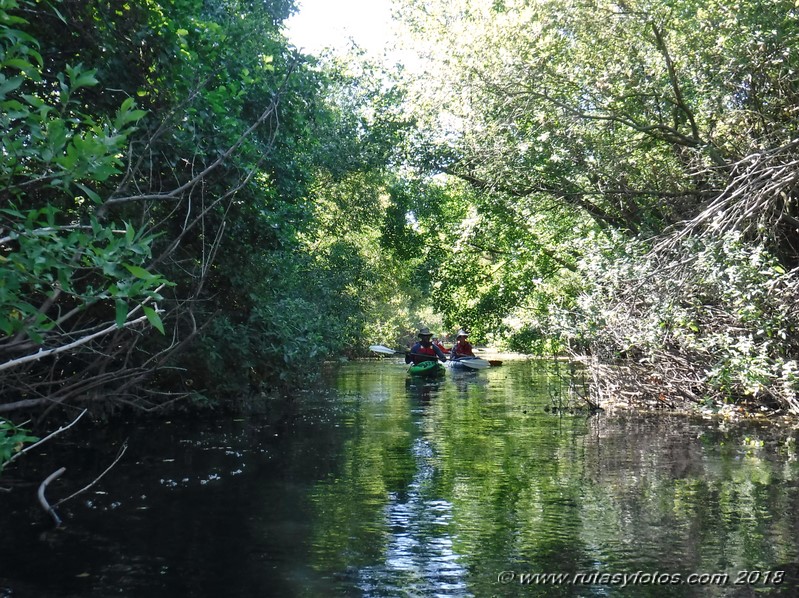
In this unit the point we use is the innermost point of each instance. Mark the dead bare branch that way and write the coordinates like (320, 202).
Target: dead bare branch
(98, 478)
(43, 500)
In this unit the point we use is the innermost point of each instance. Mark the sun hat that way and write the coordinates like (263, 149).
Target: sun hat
(461, 332)
(425, 332)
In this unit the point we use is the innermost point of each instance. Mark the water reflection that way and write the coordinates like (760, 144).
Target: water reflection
(422, 390)
(419, 553)
(384, 485)
(497, 480)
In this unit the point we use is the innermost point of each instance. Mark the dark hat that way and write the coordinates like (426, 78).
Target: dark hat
(425, 332)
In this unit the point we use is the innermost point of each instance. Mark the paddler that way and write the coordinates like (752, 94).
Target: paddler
(462, 347)
(424, 349)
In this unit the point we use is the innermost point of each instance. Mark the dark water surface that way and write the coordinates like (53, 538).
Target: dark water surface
(384, 486)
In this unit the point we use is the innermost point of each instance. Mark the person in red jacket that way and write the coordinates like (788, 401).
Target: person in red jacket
(424, 350)
(462, 347)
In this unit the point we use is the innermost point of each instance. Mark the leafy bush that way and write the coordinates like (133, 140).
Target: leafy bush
(72, 279)
(12, 438)
(705, 318)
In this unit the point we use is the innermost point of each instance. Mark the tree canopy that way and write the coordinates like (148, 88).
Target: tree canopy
(618, 156)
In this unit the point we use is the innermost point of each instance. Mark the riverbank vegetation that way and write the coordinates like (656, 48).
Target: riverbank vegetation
(185, 205)
(193, 209)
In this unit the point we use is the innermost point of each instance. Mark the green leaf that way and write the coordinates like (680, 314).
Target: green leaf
(10, 85)
(139, 272)
(6, 326)
(122, 312)
(19, 63)
(35, 336)
(154, 318)
(59, 15)
(92, 195)
(81, 79)
(126, 114)
(11, 19)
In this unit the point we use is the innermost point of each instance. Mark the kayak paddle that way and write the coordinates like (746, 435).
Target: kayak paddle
(387, 351)
(474, 363)
(384, 350)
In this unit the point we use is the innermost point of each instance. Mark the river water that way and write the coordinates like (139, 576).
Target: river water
(478, 484)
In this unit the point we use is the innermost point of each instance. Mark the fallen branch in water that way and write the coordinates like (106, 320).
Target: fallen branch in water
(43, 501)
(97, 479)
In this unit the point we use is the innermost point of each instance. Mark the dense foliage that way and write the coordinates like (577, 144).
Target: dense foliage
(186, 205)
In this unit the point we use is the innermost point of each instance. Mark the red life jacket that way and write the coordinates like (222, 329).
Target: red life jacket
(463, 348)
(426, 350)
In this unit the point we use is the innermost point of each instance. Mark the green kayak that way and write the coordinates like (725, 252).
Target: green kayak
(426, 368)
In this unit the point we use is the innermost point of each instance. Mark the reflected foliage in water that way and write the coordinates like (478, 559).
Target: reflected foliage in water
(461, 479)
(384, 485)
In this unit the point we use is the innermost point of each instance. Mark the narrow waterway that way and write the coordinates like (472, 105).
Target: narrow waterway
(476, 484)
